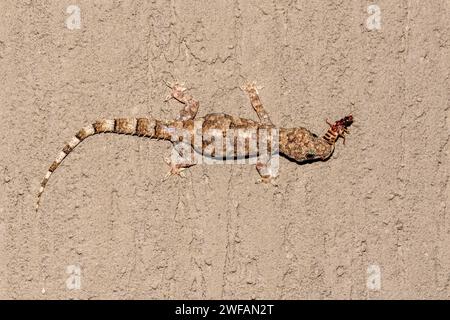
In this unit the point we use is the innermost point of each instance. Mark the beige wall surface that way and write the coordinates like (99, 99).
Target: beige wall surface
(372, 222)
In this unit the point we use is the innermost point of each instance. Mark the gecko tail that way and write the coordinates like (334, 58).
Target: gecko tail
(134, 126)
(80, 136)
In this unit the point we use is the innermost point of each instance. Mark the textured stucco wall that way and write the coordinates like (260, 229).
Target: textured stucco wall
(382, 201)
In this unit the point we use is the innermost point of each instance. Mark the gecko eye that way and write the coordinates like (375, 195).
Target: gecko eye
(311, 154)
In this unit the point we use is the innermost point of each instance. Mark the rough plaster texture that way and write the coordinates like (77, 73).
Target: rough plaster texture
(383, 199)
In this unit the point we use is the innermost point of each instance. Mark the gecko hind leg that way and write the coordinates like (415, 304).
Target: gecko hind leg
(182, 157)
(191, 105)
(255, 100)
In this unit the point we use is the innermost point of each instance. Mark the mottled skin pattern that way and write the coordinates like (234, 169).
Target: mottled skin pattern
(297, 144)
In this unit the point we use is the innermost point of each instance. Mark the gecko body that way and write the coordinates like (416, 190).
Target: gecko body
(217, 135)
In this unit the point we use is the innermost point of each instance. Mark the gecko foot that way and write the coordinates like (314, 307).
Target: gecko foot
(177, 90)
(251, 87)
(267, 171)
(252, 91)
(174, 172)
(179, 93)
(176, 169)
(267, 180)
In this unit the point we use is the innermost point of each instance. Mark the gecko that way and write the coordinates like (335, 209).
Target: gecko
(297, 144)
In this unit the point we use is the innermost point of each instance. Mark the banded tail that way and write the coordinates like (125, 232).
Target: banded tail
(144, 127)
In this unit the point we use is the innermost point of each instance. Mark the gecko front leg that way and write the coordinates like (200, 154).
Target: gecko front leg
(191, 105)
(267, 169)
(255, 100)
